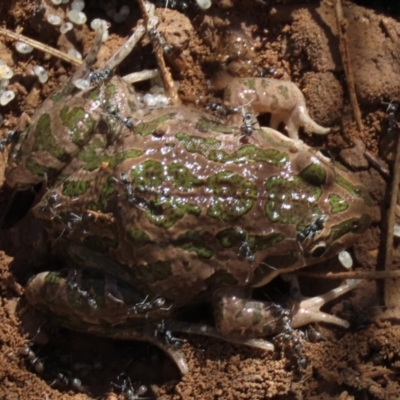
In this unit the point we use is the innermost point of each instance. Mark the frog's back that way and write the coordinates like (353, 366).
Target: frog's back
(180, 196)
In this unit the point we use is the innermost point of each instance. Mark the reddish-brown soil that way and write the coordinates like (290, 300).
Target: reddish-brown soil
(242, 38)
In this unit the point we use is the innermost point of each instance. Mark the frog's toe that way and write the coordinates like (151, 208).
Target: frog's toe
(308, 309)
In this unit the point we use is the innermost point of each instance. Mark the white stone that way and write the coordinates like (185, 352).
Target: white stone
(23, 48)
(54, 19)
(82, 84)
(6, 72)
(77, 17)
(41, 73)
(78, 5)
(75, 53)
(65, 27)
(6, 97)
(345, 259)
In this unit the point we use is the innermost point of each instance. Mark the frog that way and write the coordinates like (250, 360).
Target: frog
(154, 210)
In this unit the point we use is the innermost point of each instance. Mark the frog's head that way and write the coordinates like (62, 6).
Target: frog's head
(318, 202)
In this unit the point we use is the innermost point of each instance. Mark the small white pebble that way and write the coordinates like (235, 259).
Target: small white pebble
(75, 53)
(161, 100)
(204, 4)
(82, 84)
(105, 36)
(346, 259)
(149, 100)
(122, 15)
(396, 231)
(6, 72)
(56, 2)
(78, 5)
(77, 17)
(65, 27)
(6, 97)
(96, 23)
(41, 73)
(54, 19)
(23, 47)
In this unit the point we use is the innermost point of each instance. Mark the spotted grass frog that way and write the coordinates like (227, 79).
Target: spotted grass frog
(157, 209)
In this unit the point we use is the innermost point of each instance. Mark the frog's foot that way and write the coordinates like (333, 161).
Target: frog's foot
(207, 330)
(307, 310)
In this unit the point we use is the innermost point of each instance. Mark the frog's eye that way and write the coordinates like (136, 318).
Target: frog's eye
(318, 250)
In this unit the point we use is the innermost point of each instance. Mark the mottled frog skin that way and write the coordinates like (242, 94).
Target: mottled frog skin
(174, 208)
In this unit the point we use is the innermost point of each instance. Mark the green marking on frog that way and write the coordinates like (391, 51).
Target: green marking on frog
(338, 204)
(91, 150)
(75, 188)
(314, 174)
(193, 241)
(274, 102)
(198, 144)
(182, 178)
(283, 90)
(44, 139)
(154, 272)
(79, 122)
(148, 128)
(262, 242)
(93, 94)
(355, 190)
(138, 238)
(37, 169)
(250, 83)
(108, 188)
(250, 153)
(234, 196)
(233, 237)
(355, 225)
(149, 174)
(205, 125)
(113, 160)
(290, 199)
(165, 212)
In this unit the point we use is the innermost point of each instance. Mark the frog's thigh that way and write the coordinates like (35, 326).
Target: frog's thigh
(237, 315)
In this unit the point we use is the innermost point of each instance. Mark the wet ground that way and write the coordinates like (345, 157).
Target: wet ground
(294, 40)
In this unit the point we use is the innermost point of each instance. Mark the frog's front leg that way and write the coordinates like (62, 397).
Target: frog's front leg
(237, 315)
(283, 99)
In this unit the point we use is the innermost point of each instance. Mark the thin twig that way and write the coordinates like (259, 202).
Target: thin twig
(348, 70)
(392, 290)
(351, 275)
(158, 51)
(141, 76)
(126, 48)
(40, 46)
